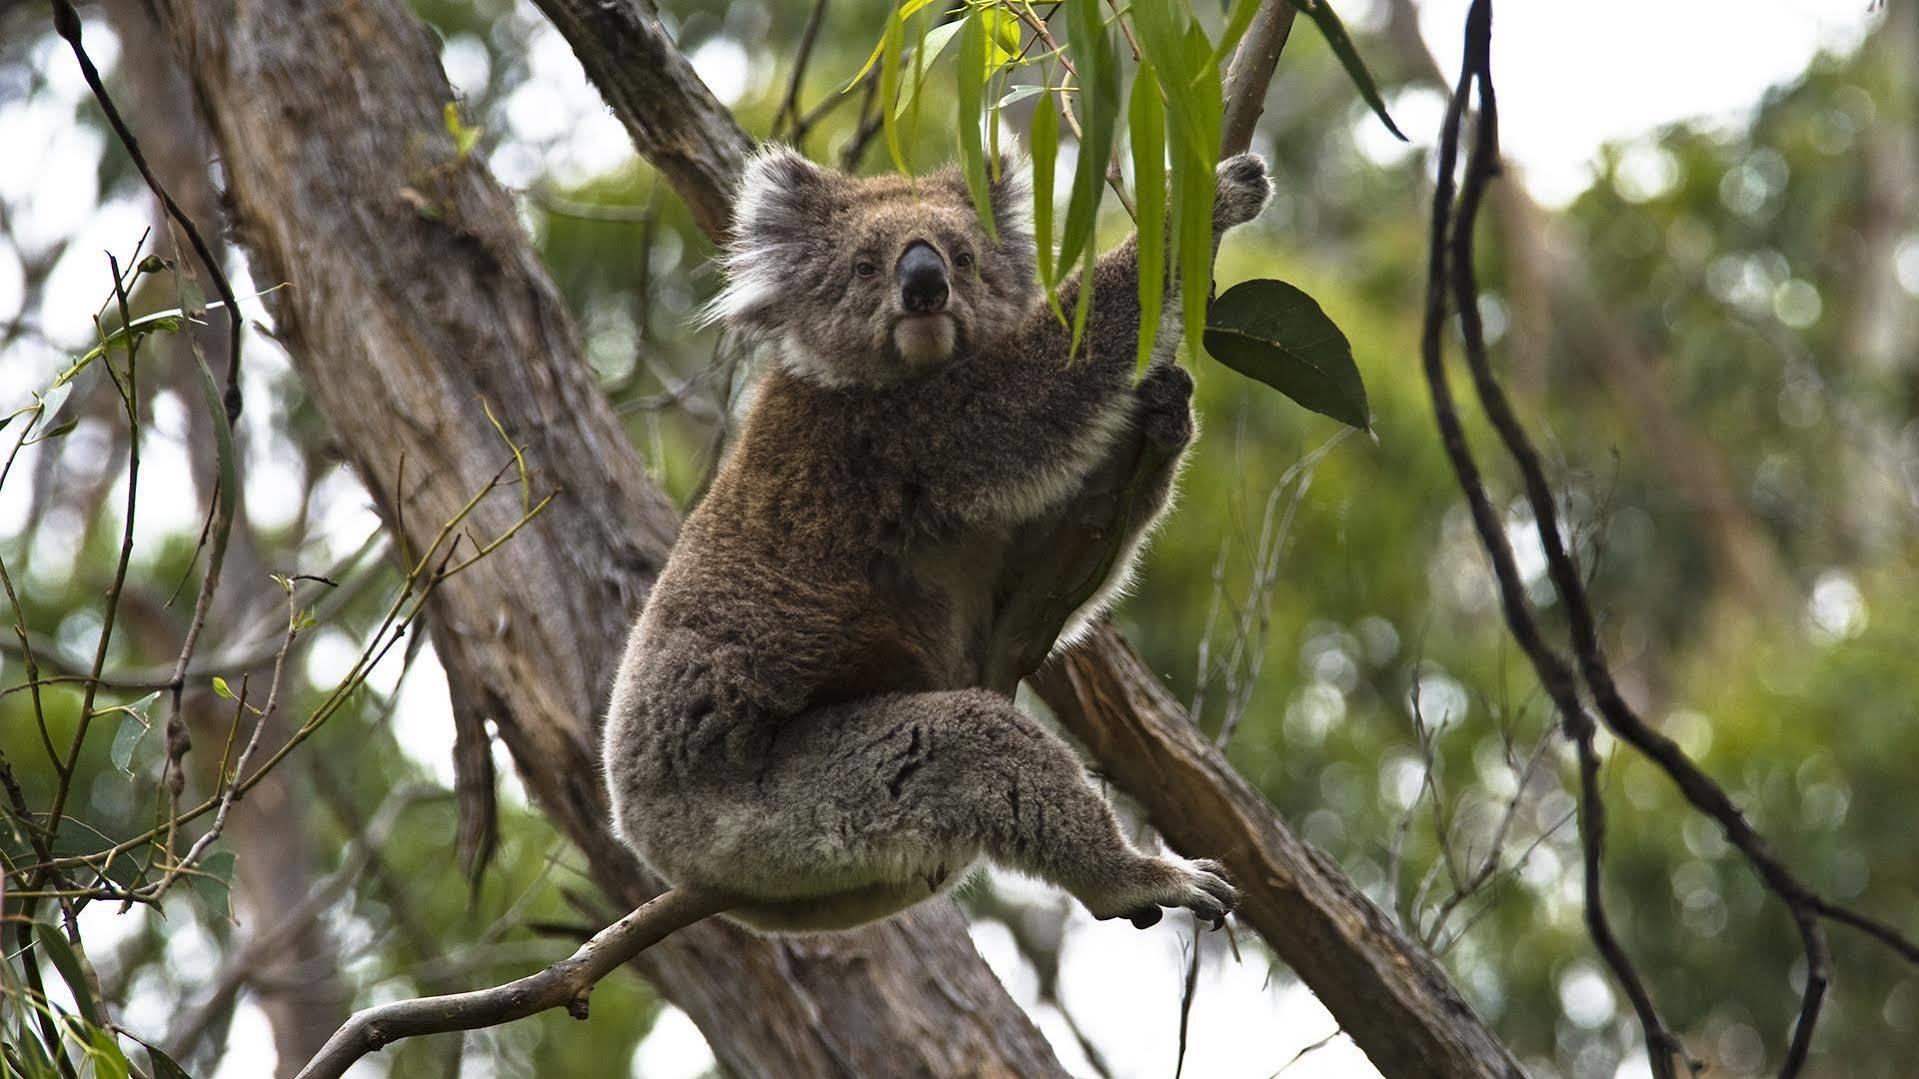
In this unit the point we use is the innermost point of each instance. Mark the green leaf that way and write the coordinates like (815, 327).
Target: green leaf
(163, 1066)
(1146, 120)
(1270, 331)
(932, 45)
(464, 137)
(1021, 93)
(1085, 301)
(891, 44)
(1193, 206)
(67, 962)
(220, 687)
(1236, 26)
(1045, 136)
(973, 68)
(905, 11)
(213, 882)
(1099, 108)
(1335, 34)
(1002, 38)
(57, 431)
(103, 1049)
(133, 728)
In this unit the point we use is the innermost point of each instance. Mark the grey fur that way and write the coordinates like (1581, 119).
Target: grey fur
(791, 723)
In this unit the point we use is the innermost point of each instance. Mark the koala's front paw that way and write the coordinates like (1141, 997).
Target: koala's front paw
(1169, 881)
(1166, 406)
(1244, 188)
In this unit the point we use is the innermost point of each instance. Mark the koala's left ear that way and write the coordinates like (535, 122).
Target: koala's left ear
(782, 195)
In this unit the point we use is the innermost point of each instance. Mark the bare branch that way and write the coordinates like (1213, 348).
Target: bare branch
(564, 984)
(1251, 73)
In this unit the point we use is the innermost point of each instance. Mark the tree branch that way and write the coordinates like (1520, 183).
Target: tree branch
(1251, 73)
(1382, 987)
(676, 122)
(564, 984)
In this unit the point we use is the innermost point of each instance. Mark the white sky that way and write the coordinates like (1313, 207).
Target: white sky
(1572, 77)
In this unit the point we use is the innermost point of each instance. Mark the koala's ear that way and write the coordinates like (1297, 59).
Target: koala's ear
(781, 195)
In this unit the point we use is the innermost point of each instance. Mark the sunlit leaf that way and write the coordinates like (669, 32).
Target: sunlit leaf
(1045, 139)
(891, 45)
(1098, 65)
(972, 101)
(1021, 93)
(906, 11)
(1146, 119)
(464, 137)
(221, 688)
(1273, 332)
(932, 45)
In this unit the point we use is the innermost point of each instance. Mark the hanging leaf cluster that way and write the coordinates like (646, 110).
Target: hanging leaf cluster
(1071, 59)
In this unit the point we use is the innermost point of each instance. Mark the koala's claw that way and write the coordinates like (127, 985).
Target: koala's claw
(1165, 405)
(1199, 886)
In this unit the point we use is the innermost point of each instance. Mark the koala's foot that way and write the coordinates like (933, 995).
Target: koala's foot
(1166, 406)
(1244, 188)
(1167, 881)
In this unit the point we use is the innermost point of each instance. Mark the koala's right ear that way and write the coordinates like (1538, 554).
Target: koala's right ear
(781, 196)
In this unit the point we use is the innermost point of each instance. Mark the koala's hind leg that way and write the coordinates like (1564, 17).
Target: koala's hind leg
(895, 795)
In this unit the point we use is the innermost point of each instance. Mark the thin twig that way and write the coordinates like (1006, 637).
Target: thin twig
(1554, 673)
(564, 984)
(66, 21)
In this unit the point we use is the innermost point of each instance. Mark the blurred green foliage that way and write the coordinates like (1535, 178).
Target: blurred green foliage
(1745, 269)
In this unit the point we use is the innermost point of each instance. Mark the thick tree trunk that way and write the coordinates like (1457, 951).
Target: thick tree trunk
(415, 305)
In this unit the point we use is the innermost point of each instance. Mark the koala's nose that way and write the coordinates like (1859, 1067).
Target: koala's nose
(922, 277)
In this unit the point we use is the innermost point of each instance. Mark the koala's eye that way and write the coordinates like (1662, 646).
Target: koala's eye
(963, 260)
(865, 268)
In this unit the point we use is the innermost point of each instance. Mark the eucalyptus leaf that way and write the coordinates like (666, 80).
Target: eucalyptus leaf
(67, 962)
(1335, 34)
(974, 65)
(1146, 120)
(891, 45)
(1271, 331)
(163, 1066)
(126, 741)
(213, 882)
(1021, 93)
(1099, 107)
(1045, 137)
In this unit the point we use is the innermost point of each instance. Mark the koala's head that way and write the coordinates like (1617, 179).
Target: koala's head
(867, 282)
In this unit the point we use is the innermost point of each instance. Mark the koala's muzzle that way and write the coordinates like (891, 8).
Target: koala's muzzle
(922, 278)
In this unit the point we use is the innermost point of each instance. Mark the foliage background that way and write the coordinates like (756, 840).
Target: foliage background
(1717, 334)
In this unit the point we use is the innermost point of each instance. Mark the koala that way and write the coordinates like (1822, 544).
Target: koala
(792, 724)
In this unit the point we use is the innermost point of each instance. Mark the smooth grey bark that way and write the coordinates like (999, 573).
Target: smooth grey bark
(415, 304)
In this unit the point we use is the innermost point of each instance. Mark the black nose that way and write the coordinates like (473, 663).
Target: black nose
(922, 277)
